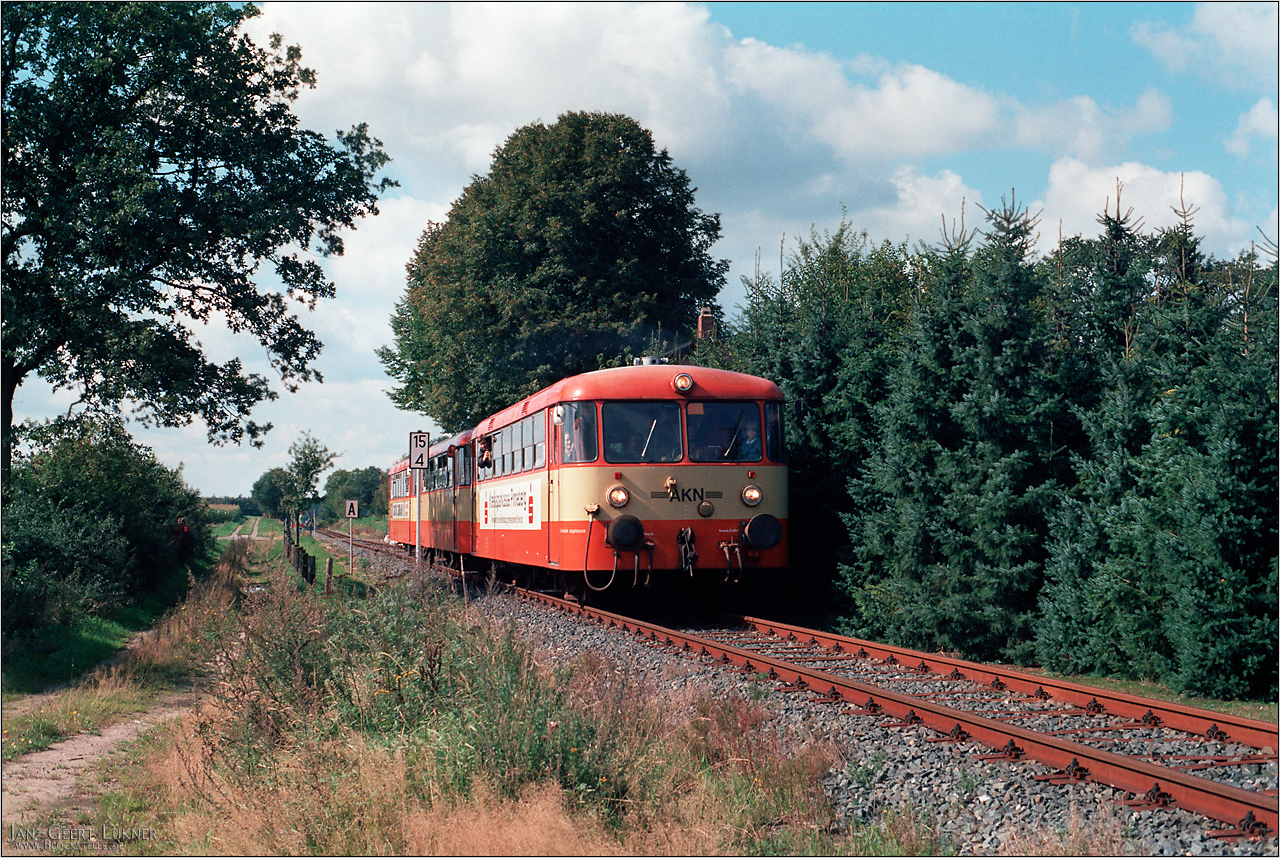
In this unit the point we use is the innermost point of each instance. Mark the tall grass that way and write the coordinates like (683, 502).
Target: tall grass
(406, 723)
(167, 656)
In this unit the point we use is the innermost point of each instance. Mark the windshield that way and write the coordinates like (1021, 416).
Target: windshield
(724, 432)
(641, 432)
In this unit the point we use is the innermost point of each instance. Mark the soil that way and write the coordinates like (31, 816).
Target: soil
(46, 784)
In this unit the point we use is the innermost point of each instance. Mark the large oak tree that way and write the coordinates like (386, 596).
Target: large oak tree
(154, 175)
(581, 242)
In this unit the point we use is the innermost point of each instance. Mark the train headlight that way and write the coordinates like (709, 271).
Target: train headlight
(683, 382)
(618, 497)
(751, 495)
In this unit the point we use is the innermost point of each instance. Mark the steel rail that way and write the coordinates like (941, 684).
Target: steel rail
(1159, 785)
(1177, 716)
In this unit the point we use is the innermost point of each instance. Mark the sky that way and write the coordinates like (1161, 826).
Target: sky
(787, 118)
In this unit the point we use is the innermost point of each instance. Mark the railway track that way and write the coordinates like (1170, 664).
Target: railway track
(1083, 733)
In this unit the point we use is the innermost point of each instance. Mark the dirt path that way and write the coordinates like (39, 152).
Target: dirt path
(45, 784)
(254, 535)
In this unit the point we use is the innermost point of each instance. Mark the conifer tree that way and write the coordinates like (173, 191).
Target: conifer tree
(1088, 601)
(957, 560)
(899, 529)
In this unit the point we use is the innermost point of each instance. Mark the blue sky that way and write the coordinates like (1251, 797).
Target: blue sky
(784, 115)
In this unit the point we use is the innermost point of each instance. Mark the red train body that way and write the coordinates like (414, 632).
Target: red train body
(611, 477)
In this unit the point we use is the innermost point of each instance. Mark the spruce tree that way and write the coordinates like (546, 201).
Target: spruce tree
(949, 545)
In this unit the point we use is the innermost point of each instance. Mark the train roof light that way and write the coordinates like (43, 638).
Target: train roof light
(683, 382)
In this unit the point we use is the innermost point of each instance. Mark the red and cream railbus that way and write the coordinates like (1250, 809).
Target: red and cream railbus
(610, 477)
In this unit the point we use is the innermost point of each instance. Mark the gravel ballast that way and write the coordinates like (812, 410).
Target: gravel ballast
(977, 806)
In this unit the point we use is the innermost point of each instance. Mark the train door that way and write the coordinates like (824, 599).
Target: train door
(554, 536)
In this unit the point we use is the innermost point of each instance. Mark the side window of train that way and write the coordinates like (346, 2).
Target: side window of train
(518, 463)
(463, 463)
(774, 438)
(485, 457)
(537, 425)
(578, 432)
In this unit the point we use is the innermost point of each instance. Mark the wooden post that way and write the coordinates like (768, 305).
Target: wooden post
(328, 575)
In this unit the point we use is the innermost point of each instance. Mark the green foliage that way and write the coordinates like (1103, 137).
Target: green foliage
(364, 485)
(1163, 559)
(583, 240)
(398, 667)
(152, 165)
(90, 524)
(268, 492)
(948, 537)
(247, 505)
(309, 459)
(826, 334)
(1072, 459)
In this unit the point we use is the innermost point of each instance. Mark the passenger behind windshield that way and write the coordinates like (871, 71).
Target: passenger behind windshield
(642, 432)
(578, 432)
(724, 432)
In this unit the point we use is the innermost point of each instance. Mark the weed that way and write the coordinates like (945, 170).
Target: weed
(402, 722)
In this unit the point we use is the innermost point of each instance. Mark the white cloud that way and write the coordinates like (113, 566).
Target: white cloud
(1258, 124)
(1078, 193)
(926, 208)
(777, 139)
(911, 111)
(1079, 127)
(1233, 44)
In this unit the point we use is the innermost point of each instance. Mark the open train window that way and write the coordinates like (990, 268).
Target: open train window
(642, 431)
(774, 437)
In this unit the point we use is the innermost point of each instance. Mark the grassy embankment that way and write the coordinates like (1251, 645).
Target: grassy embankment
(403, 722)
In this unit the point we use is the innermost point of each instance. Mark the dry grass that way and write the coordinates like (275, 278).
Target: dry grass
(354, 798)
(588, 761)
(1101, 832)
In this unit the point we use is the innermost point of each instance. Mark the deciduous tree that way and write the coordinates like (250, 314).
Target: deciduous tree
(582, 241)
(152, 169)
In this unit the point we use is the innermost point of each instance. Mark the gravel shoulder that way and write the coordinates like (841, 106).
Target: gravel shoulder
(977, 807)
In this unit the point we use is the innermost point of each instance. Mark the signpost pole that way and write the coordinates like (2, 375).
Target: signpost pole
(353, 512)
(419, 444)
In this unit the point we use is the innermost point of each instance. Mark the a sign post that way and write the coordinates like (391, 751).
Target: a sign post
(419, 445)
(353, 512)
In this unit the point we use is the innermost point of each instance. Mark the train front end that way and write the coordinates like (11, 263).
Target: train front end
(661, 470)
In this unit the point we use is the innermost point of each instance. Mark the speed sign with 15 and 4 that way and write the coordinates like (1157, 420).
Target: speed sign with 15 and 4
(419, 442)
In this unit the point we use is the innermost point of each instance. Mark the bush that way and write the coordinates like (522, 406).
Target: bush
(90, 523)
(58, 563)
